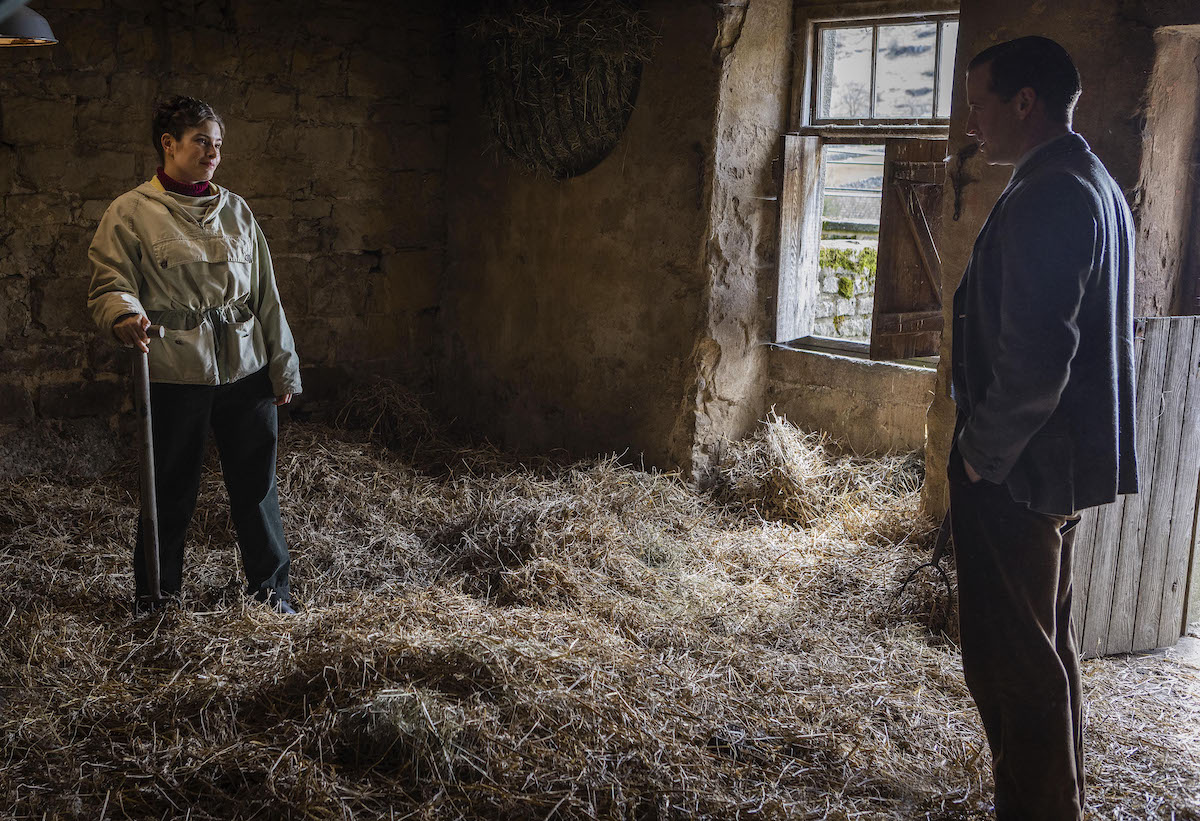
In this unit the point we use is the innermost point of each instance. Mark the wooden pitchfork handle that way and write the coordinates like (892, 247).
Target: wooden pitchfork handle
(149, 498)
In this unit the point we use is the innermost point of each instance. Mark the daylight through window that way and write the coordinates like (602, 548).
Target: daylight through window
(885, 72)
(872, 81)
(850, 206)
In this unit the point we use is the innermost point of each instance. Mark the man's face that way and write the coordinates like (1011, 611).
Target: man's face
(994, 123)
(195, 155)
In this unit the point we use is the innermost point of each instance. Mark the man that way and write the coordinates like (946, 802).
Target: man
(1043, 380)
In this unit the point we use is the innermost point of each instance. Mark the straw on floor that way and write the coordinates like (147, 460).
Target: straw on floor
(489, 638)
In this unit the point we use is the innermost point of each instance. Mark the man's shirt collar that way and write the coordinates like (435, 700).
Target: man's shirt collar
(1055, 145)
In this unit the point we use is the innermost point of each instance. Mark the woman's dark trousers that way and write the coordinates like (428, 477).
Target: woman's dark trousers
(1018, 646)
(243, 419)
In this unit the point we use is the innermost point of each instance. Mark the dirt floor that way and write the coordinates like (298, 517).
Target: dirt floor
(489, 638)
(1187, 651)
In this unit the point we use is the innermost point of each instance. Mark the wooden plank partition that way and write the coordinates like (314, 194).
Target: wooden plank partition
(1133, 557)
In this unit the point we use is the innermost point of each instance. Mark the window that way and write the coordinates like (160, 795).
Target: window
(860, 204)
(852, 193)
(886, 72)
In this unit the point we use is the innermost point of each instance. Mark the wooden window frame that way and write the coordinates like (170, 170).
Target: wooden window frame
(805, 201)
(806, 19)
(934, 122)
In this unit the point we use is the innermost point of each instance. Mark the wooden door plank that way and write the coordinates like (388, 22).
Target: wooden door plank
(922, 223)
(1160, 501)
(907, 279)
(1081, 571)
(931, 262)
(1180, 546)
(916, 322)
(1097, 608)
(1129, 552)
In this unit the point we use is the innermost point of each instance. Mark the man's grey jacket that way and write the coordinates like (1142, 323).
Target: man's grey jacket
(1043, 336)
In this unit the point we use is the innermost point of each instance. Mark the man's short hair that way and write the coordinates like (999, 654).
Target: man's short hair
(1038, 63)
(177, 115)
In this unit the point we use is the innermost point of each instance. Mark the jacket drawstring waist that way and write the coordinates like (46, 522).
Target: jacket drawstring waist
(218, 318)
(186, 319)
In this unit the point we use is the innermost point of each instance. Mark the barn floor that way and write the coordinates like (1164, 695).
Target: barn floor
(486, 638)
(1188, 649)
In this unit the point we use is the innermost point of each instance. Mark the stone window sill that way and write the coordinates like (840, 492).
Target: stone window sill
(828, 346)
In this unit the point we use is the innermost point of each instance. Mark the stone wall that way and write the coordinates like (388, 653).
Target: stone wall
(726, 400)
(846, 299)
(336, 120)
(1168, 250)
(867, 407)
(625, 309)
(571, 306)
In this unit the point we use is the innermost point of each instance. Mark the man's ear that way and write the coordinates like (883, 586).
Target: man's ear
(165, 140)
(1026, 100)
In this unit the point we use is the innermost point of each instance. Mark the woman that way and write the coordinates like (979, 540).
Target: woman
(181, 252)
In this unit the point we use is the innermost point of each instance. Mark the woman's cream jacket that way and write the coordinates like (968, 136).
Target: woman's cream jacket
(200, 267)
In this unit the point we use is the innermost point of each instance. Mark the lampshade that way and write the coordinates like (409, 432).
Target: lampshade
(25, 27)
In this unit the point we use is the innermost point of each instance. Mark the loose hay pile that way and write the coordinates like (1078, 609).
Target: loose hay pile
(489, 639)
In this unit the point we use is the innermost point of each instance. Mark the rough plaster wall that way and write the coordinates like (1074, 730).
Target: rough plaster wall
(1169, 209)
(572, 306)
(336, 120)
(727, 398)
(1113, 48)
(867, 407)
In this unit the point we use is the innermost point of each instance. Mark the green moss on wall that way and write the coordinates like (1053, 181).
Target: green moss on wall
(862, 261)
(856, 269)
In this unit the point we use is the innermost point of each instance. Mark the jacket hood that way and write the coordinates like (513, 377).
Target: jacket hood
(153, 189)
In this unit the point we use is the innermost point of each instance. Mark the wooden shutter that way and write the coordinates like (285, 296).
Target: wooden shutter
(907, 317)
(799, 237)
(1132, 557)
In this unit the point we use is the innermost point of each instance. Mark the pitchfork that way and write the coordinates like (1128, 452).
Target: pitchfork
(939, 551)
(141, 397)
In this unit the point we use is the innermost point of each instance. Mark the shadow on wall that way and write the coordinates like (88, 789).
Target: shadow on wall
(571, 305)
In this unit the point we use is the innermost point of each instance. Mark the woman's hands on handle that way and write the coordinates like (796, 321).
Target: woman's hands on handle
(130, 330)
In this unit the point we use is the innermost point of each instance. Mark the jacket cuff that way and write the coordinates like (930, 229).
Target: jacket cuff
(992, 468)
(115, 308)
(289, 386)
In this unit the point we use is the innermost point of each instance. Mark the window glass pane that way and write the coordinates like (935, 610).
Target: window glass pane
(845, 84)
(852, 193)
(946, 76)
(904, 71)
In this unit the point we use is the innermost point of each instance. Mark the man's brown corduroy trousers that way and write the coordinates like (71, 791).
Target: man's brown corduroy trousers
(1018, 646)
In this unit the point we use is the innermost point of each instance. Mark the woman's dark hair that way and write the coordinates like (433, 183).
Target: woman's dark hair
(177, 115)
(1038, 63)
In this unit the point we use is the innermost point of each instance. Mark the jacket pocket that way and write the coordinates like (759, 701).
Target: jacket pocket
(1046, 473)
(189, 250)
(185, 356)
(246, 350)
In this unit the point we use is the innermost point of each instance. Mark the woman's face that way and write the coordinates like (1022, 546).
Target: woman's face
(194, 156)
